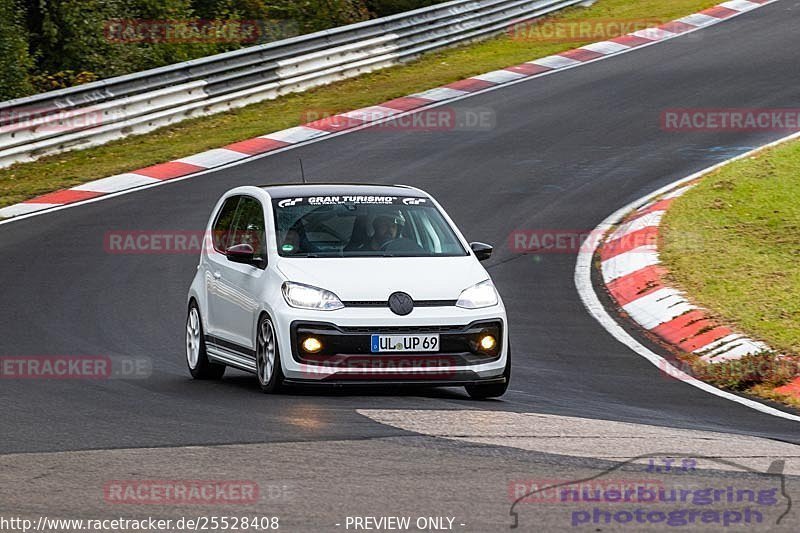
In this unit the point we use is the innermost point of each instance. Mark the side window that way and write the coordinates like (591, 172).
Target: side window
(224, 223)
(249, 226)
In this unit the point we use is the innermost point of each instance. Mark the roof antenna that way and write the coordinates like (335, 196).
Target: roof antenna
(302, 172)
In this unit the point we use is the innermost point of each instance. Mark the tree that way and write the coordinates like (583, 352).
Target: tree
(50, 44)
(85, 35)
(15, 59)
(315, 15)
(382, 8)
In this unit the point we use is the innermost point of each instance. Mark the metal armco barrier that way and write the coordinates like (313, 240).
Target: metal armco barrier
(95, 113)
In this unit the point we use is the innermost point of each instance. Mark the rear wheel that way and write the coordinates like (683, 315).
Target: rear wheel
(196, 356)
(268, 359)
(480, 391)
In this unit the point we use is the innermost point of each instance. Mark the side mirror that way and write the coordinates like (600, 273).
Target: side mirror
(482, 251)
(241, 253)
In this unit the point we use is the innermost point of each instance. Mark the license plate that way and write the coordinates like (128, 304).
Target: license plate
(405, 343)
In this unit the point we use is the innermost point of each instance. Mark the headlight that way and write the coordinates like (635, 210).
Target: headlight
(478, 296)
(308, 297)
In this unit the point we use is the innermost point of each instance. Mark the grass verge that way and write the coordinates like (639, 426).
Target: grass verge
(733, 243)
(23, 181)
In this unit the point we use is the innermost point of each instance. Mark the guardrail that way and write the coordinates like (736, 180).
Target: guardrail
(98, 112)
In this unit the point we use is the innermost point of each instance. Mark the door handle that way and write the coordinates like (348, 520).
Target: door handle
(217, 275)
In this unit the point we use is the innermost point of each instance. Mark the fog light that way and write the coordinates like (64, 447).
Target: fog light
(488, 343)
(312, 345)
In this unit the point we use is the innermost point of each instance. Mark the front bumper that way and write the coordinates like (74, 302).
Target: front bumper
(455, 380)
(347, 357)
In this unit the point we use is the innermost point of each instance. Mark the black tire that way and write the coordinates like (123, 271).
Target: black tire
(494, 390)
(203, 367)
(270, 380)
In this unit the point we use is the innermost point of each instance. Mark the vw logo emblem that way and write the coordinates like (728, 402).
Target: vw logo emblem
(401, 303)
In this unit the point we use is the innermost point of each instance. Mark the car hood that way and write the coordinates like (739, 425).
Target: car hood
(371, 279)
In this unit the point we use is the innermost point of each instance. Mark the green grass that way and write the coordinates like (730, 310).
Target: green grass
(24, 181)
(733, 243)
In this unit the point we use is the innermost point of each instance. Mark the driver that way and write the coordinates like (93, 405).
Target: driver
(386, 229)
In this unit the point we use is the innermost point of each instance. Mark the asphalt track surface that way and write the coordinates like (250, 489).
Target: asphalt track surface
(566, 150)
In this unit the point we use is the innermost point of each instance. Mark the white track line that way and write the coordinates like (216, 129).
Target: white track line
(583, 282)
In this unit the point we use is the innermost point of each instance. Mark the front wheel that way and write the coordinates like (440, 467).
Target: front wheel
(268, 359)
(494, 390)
(200, 367)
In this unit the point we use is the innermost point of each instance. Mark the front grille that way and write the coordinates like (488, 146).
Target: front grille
(420, 303)
(400, 329)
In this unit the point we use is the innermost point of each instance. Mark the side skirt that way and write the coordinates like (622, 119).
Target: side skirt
(231, 354)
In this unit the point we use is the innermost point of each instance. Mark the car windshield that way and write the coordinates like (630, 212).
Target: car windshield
(363, 226)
